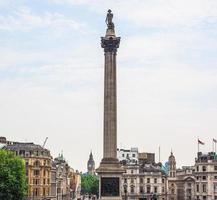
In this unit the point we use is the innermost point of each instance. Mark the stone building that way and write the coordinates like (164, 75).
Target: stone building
(38, 168)
(144, 182)
(91, 165)
(185, 183)
(206, 176)
(172, 179)
(75, 184)
(181, 182)
(61, 186)
(144, 179)
(65, 182)
(128, 155)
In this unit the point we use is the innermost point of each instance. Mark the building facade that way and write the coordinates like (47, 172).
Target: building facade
(144, 179)
(206, 176)
(38, 168)
(47, 179)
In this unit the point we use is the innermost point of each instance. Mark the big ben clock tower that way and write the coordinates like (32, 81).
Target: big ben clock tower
(91, 165)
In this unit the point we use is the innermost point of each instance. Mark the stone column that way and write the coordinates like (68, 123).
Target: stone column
(110, 45)
(110, 170)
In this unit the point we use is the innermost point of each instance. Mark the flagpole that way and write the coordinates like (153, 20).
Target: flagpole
(212, 145)
(215, 147)
(198, 147)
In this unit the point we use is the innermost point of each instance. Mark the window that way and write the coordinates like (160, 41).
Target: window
(155, 180)
(123, 155)
(148, 189)
(204, 187)
(132, 180)
(36, 163)
(197, 168)
(141, 189)
(125, 180)
(197, 188)
(215, 177)
(36, 181)
(148, 180)
(134, 155)
(204, 168)
(155, 189)
(215, 167)
(36, 192)
(204, 177)
(141, 180)
(44, 181)
(198, 177)
(172, 191)
(189, 184)
(22, 152)
(215, 197)
(163, 190)
(131, 171)
(204, 197)
(132, 189)
(162, 180)
(48, 181)
(215, 187)
(44, 192)
(36, 172)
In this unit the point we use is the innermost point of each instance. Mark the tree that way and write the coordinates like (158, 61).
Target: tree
(13, 184)
(89, 184)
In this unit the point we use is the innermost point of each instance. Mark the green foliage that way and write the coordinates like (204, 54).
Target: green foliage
(13, 185)
(89, 184)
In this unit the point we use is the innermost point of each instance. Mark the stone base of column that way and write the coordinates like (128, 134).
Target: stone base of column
(110, 175)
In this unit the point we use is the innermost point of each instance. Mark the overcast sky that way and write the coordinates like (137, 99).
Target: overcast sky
(51, 75)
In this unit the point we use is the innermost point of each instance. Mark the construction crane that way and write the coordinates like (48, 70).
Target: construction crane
(45, 142)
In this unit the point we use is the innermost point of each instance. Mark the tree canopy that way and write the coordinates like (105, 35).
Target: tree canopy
(89, 184)
(13, 184)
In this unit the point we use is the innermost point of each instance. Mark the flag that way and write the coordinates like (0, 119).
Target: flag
(200, 142)
(214, 140)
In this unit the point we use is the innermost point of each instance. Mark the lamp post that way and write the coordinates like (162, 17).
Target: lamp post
(125, 191)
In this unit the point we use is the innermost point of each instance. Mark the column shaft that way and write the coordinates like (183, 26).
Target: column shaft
(110, 106)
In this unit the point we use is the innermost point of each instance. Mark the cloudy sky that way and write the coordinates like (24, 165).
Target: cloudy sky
(51, 75)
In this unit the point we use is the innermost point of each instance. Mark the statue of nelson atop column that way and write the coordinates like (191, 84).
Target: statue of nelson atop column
(108, 20)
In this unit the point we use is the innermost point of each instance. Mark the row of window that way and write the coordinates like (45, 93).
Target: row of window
(204, 198)
(24, 153)
(36, 172)
(204, 188)
(204, 168)
(145, 190)
(36, 192)
(37, 181)
(148, 180)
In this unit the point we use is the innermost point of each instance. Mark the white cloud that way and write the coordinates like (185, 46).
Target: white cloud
(24, 20)
(154, 13)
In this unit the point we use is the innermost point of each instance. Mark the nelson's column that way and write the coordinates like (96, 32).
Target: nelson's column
(110, 170)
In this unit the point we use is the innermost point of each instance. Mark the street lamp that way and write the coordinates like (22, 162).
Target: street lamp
(125, 190)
